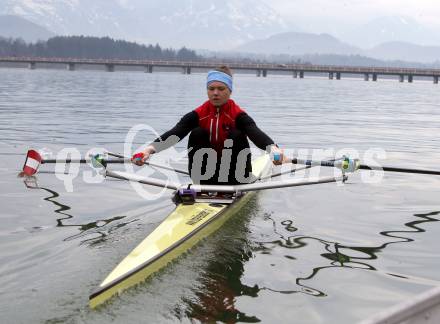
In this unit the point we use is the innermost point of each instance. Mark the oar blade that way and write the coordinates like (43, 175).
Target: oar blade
(33, 160)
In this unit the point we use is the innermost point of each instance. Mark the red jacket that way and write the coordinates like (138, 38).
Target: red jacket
(218, 122)
(218, 125)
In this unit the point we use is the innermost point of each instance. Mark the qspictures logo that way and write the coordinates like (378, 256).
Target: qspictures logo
(67, 171)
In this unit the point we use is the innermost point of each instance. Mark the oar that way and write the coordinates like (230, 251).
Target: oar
(350, 165)
(34, 159)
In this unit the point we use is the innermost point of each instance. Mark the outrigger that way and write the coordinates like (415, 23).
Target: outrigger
(198, 211)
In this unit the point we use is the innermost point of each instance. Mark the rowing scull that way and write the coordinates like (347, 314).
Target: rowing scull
(181, 230)
(189, 223)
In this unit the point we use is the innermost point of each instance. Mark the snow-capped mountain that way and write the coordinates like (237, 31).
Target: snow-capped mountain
(213, 24)
(66, 17)
(18, 27)
(243, 25)
(209, 24)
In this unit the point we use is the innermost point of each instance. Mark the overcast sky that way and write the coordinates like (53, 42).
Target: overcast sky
(357, 11)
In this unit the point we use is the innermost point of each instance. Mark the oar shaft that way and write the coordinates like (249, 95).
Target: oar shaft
(110, 161)
(366, 167)
(82, 161)
(395, 169)
(313, 162)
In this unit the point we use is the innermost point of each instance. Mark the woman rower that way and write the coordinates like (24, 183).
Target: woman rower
(218, 146)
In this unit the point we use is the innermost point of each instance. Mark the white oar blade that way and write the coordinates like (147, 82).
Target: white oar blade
(33, 160)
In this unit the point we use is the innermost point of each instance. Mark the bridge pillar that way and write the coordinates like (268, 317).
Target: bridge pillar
(338, 75)
(187, 70)
(264, 73)
(110, 68)
(301, 74)
(366, 77)
(148, 69)
(374, 77)
(258, 73)
(32, 65)
(401, 78)
(295, 74)
(435, 79)
(70, 66)
(410, 78)
(330, 75)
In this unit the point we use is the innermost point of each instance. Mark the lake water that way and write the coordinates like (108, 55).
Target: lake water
(316, 254)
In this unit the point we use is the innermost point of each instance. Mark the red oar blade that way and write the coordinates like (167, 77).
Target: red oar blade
(33, 160)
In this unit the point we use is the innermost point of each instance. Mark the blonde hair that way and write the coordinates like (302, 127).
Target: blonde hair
(224, 69)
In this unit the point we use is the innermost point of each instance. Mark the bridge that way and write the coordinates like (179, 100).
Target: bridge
(261, 70)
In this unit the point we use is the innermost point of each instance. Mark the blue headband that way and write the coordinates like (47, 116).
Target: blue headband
(221, 77)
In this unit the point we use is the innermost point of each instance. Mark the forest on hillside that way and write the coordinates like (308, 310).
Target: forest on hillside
(93, 48)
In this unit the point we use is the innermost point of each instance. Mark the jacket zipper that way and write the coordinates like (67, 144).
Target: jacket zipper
(216, 128)
(210, 131)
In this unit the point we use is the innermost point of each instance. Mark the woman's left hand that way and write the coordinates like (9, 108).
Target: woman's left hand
(278, 155)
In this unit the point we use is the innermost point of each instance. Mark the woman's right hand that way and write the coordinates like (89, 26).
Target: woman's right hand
(141, 157)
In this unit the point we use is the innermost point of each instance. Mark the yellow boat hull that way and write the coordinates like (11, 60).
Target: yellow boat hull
(180, 231)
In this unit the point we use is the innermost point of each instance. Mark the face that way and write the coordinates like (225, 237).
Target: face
(218, 93)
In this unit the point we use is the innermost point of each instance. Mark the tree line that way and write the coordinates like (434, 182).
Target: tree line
(93, 48)
(108, 48)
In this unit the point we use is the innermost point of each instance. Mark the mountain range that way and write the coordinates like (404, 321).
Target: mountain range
(390, 29)
(17, 27)
(209, 24)
(250, 26)
(298, 44)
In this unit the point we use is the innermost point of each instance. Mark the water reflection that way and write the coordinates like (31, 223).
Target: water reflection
(97, 228)
(223, 280)
(221, 283)
(339, 254)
